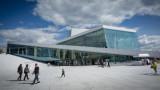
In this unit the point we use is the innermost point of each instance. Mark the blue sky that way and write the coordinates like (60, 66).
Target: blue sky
(147, 24)
(19, 13)
(48, 20)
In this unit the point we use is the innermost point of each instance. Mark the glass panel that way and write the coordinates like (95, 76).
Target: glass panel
(46, 52)
(52, 52)
(30, 51)
(121, 39)
(93, 39)
(42, 52)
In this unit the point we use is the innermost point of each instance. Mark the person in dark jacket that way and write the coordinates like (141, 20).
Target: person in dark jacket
(63, 73)
(36, 72)
(108, 63)
(26, 71)
(20, 71)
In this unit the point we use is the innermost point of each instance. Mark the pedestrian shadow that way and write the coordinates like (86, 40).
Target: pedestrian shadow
(151, 74)
(30, 83)
(13, 80)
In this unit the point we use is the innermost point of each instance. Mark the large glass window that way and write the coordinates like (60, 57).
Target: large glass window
(121, 39)
(46, 52)
(106, 38)
(93, 39)
(52, 52)
(42, 52)
(30, 51)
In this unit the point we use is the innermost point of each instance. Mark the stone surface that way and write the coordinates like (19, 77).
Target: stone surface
(77, 77)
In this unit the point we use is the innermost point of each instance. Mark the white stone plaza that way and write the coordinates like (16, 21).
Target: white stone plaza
(121, 77)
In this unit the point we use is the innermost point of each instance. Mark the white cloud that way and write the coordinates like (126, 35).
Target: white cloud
(150, 42)
(86, 26)
(40, 35)
(94, 11)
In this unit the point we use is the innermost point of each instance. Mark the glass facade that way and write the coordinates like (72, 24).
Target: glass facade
(106, 38)
(21, 49)
(30, 51)
(38, 53)
(67, 57)
(94, 39)
(121, 39)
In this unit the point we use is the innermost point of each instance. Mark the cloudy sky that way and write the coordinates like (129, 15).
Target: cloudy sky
(48, 21)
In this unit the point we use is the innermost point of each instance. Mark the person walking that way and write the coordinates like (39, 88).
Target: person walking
(148, 61)
(26, 71)
(108, 63)
(20, 71)
(101, 62)
(63, 73)
(36, 72)
(154, 66)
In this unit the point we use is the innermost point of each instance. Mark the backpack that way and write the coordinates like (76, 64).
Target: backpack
(26, 70)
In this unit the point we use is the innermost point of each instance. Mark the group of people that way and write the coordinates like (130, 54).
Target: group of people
(152, 63)
(104, 62)
(146, 61)
(27, 71)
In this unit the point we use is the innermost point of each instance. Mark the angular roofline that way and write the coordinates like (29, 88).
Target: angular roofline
(80, 34)
(99, 28)
(120, 28)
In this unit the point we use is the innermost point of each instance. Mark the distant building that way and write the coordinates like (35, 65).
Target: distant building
(106, 42)
(2, 50)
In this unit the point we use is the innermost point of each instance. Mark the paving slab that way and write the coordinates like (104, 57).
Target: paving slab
(77, 77)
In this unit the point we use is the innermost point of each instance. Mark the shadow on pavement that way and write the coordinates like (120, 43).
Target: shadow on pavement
(12, 80)
(30, 83)
(151, 74)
